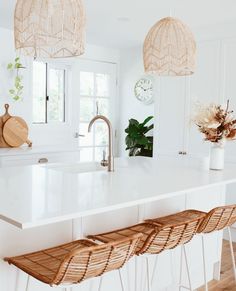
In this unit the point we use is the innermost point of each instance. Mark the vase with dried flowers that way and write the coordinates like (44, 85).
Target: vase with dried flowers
(218, 125)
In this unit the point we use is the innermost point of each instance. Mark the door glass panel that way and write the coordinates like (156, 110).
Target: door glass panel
(101, 134)
(86, 83)
(102, 85)
(87, 139)
(103, 106)
(86, 109)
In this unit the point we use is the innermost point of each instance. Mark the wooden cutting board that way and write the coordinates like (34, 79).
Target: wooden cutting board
(15, 132)
(3, 119)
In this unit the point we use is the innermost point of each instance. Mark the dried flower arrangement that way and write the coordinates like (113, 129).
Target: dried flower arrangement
(216, 122)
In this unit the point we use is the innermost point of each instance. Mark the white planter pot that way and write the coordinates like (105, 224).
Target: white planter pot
(217, 157)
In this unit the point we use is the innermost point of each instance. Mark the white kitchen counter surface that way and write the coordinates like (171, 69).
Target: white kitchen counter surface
(37, 195)
(25, 150)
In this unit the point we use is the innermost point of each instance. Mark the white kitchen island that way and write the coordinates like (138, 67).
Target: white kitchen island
(45, 205)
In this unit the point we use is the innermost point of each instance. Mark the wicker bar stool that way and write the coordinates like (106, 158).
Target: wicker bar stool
(158, 235)
(217, 219)
(72, 263)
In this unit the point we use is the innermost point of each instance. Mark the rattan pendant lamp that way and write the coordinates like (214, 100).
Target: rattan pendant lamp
(170, 49)
(50, 28)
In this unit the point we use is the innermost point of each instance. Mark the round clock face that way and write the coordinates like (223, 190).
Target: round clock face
(144, 90)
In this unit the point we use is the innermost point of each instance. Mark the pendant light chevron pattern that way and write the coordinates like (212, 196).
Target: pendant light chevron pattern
(50, 28)
(170, 49)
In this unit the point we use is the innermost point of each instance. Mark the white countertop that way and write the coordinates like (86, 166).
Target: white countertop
(37, 195)
(25, 150)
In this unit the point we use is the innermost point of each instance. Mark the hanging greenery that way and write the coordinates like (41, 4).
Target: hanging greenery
(137, 141)
(17, 91)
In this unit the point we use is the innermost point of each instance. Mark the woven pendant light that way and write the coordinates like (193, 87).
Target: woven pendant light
(50, 28)
(170, 49)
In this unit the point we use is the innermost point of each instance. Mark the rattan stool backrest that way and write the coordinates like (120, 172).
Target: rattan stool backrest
(95, 261)
(170, 235)
(218, 218)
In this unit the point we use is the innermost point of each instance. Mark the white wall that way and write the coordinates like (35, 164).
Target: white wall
(131, 70)
(42, 134)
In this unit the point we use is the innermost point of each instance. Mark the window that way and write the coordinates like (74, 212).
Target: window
(97, 89)
(49, 92)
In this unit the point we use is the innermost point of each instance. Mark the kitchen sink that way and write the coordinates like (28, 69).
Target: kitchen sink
(75, 167)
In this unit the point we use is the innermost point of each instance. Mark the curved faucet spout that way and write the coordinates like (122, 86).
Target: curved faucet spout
(110, 162)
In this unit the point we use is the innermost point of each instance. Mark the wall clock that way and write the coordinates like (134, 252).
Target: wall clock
(143, 90)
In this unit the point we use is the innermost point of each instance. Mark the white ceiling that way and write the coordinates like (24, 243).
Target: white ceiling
(137, 16)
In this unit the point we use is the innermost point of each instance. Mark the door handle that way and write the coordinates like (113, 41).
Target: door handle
(77, 135)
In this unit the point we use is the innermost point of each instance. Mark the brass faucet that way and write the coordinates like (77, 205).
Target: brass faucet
(110, 160)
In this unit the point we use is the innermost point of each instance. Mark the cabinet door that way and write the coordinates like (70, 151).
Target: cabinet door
(170, 116)
(229, 57)
(204, 88)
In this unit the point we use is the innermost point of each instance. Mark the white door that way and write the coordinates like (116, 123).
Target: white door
(96, 90)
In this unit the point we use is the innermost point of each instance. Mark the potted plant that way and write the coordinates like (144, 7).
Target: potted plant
(138, 143)
(218, 125)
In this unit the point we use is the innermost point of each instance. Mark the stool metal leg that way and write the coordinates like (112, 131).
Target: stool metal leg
(136, 273)
(181, 268)
(204, 262)
(17, 279)
(183, 252)
(100, 283)
(187, 267)
(232, 252)
(27, 283)
(148, 274)
(154, 269)
(121, 280)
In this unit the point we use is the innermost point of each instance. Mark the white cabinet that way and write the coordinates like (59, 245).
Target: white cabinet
(176, 133)
(229, 87)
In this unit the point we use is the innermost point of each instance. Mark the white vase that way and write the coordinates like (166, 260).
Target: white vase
(217, 156)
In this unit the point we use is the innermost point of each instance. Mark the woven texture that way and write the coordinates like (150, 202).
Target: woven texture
(159, 234)
(77, 261)
(50, 29)
(218, 218)
(170, 49)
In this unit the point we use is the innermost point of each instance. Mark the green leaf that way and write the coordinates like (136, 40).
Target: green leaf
(16, 98)
(147, 120)
(12, 91)
(10, 66)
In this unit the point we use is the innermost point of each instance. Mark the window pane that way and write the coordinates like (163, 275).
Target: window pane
(87, 83)
(87, 140)
(99, 153)
(86, 109)
(102, 84)
(86, 154)
(101, 134)
(39, 92)
(56, 93)
(103, 106)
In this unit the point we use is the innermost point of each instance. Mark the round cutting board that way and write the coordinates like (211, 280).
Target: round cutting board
(15, 132)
